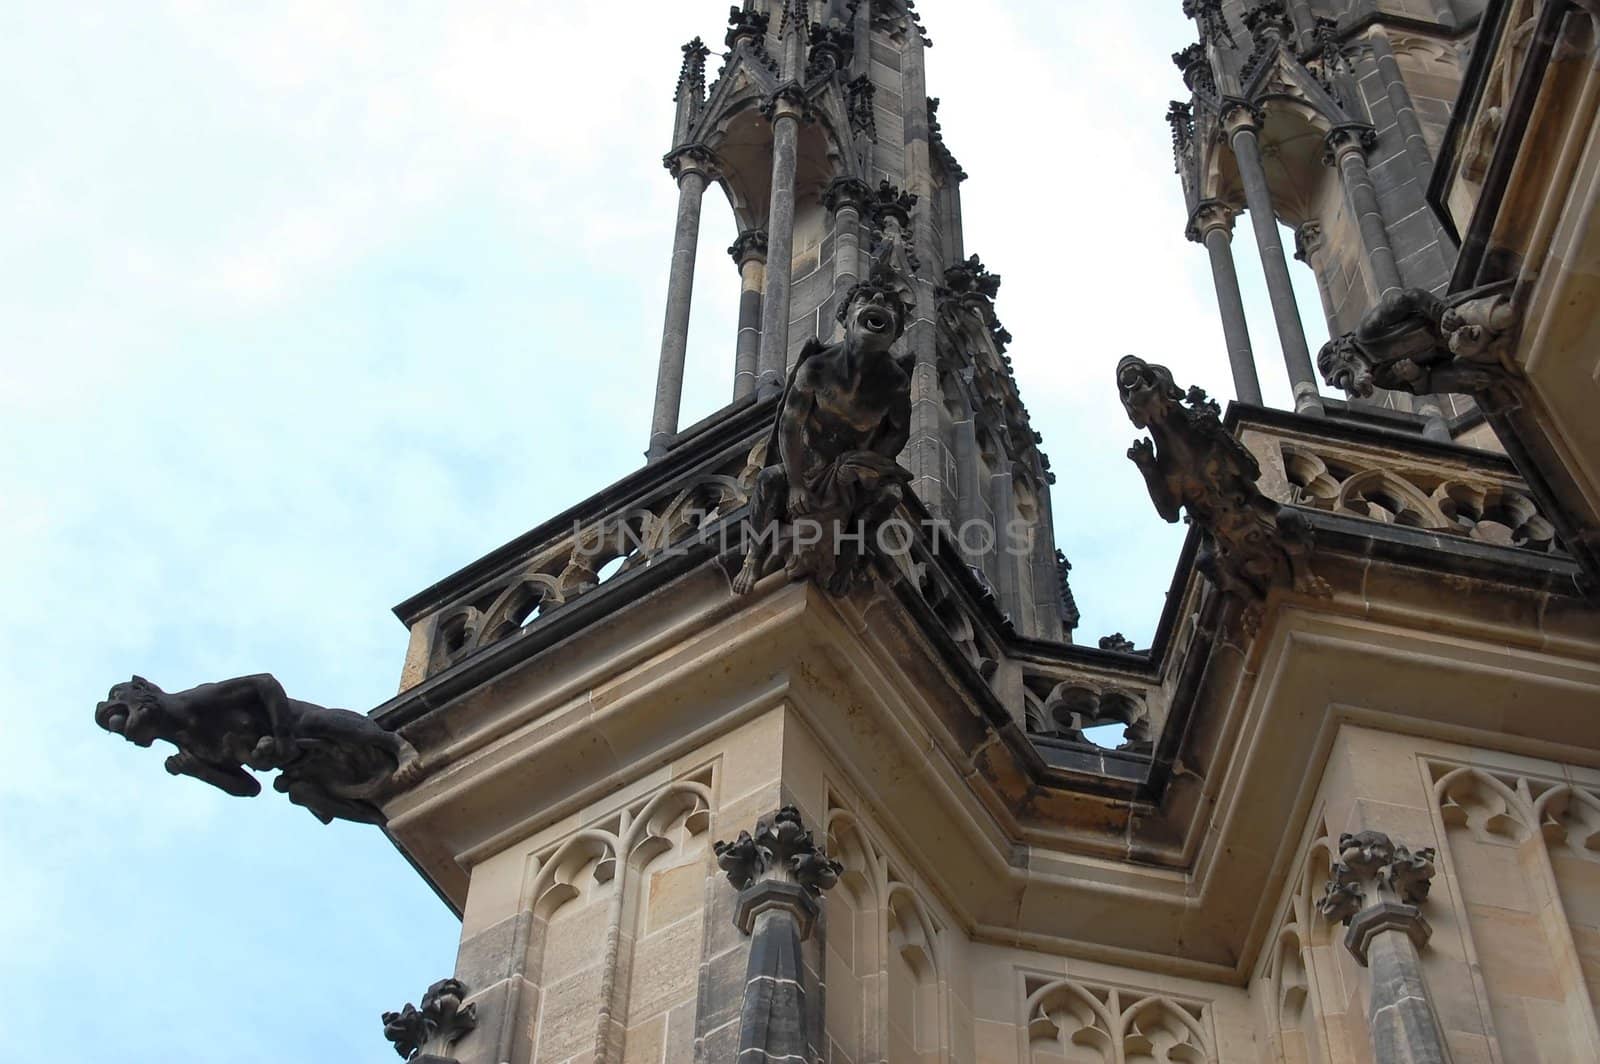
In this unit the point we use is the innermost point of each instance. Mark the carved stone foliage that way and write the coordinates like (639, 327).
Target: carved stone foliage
(1413, 341)
(1196, 68)
(752, 243)
(1083, 1021)
(577, 560)
(1370, 863)
(1194, 465)
(333, 762)
(781, 849)
(1118, 642)
(1417, 497)
(831, 478)
(831, 46)
(430, 1032)
(1071, 617)
(1062, 710)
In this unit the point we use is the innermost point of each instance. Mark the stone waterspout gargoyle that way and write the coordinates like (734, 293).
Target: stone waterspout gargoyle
(1194, 464)
(830, 476)
(333, 762)
(1413, 341)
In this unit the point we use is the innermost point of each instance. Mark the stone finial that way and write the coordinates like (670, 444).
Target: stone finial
(692, 75)
(746, 24)
(1376, 886)
(780, 865)
(751, 244)
(1213, 23)
(1193, 465)
(1413, 341)
(334, 762)
(1196, 67)
(430, 1032)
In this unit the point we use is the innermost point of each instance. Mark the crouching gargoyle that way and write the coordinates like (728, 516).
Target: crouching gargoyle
(1194, 464)
(844, 418)
(333, 762)
(1413, 341)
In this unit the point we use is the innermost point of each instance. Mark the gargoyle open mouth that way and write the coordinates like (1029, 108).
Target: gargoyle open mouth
(876, 320)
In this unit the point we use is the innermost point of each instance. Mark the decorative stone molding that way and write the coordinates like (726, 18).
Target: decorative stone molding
(780, 873)
(1341, 140)
(1208, 215)
(1193, 464)
(334, 762)
(751, 244)
(1413, 341)
(428, 1034)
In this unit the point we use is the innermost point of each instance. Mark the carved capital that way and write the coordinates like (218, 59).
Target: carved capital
(1236, 114)
(1343, 140)
(751, 245)
(846, 193)
(1307, 240)
(1375, 886)
(779, 866)
(431, 1032)
(1208, 215)
(788, 101)
(691, 159)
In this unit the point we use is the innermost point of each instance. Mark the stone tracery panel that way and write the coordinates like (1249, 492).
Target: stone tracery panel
(1087, 1023)
(1501, 514)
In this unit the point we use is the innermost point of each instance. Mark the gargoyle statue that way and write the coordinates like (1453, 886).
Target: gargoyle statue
(331, 761)
(844, 418)
(1413, 341)
(1194, 464)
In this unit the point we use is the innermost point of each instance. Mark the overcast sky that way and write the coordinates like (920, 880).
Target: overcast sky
(306, 304)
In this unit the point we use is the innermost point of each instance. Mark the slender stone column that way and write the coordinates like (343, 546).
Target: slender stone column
(1405, 108)
(1346, 148)
(1211, 224)
(780, 875)
(689, 166)
(1375, 891)
(1242, 122)
(845, 197)
(750, 255)
(785, 112)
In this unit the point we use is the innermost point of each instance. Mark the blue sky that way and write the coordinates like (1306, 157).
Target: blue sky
(306, 304)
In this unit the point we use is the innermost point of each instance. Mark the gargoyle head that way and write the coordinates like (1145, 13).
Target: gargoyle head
(1345, 365)
(1148, 392)
(137, 711)
(877, 311)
